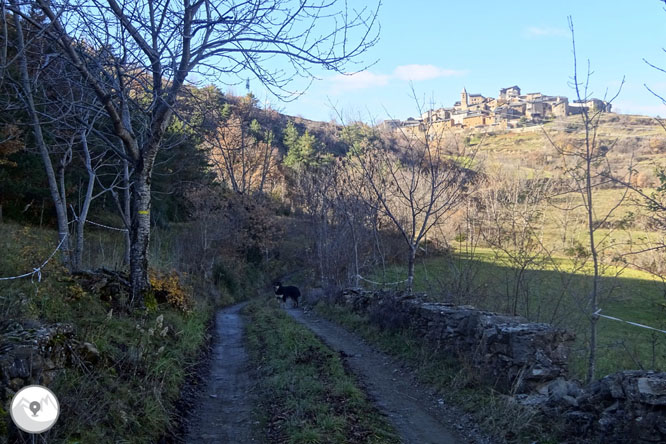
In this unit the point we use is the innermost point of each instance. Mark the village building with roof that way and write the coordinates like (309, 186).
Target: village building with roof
(509, 110)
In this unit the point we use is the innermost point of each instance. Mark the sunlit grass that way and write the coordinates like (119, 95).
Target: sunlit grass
(558, 292)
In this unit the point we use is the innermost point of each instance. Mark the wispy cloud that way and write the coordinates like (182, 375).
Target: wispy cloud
(423, 72)
(368, 79)
(545, 31)
(360, 80)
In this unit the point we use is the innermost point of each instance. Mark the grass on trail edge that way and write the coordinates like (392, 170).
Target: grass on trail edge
(305, 395)
(455, 381)
(129, 393)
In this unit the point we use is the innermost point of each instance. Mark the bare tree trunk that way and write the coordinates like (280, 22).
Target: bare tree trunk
(243, 154)
(140, 216)
(592, 360)
(127, 211)
(325, 272)
(140, 237)
(378, 244)
(58, 200)
(355, 241)
(410, 267)
(83, 214)
(265, 165)
(124, 209)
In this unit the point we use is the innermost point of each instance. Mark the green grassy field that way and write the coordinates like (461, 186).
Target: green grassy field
(487, 281)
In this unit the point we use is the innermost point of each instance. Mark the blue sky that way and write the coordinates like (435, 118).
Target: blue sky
(443, 46)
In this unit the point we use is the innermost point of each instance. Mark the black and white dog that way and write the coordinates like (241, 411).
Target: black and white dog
(287, 292)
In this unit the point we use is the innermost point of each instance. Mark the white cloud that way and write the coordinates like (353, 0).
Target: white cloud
(545, 31)
(423, 72)
(360, 80)
(341, 83)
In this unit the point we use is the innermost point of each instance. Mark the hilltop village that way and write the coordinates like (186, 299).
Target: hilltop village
(509, 110)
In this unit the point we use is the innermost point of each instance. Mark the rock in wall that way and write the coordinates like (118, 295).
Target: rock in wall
(625, 407)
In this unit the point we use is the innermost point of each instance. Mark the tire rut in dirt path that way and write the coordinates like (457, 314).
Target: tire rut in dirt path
(223, 410)
(418, 417)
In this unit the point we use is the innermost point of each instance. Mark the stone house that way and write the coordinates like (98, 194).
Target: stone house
(457, 118)
(437, 115)
(506, 113)
(560, 107)
(507, 94)
(477, 119)
(592, 104)
(536, 110)
(472, 102)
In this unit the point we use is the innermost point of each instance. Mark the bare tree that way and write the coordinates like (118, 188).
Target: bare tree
(27, 94)
(63, 119)
(512, 218)
(586, 165)
(95, 158)
(241, 150)
(160, 43)
(416, 181)
(359, 217)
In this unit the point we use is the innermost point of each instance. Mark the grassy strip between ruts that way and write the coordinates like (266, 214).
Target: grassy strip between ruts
(305, 394)
(454, 380)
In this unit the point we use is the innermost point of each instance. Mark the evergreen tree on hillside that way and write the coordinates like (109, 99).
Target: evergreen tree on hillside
(290, 136)
(303, 151)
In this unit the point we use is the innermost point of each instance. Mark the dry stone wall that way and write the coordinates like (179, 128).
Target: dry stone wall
(516, 355)
(528, 361)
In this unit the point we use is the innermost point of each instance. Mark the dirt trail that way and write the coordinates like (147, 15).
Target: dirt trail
(223, 411)
(417, 415)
